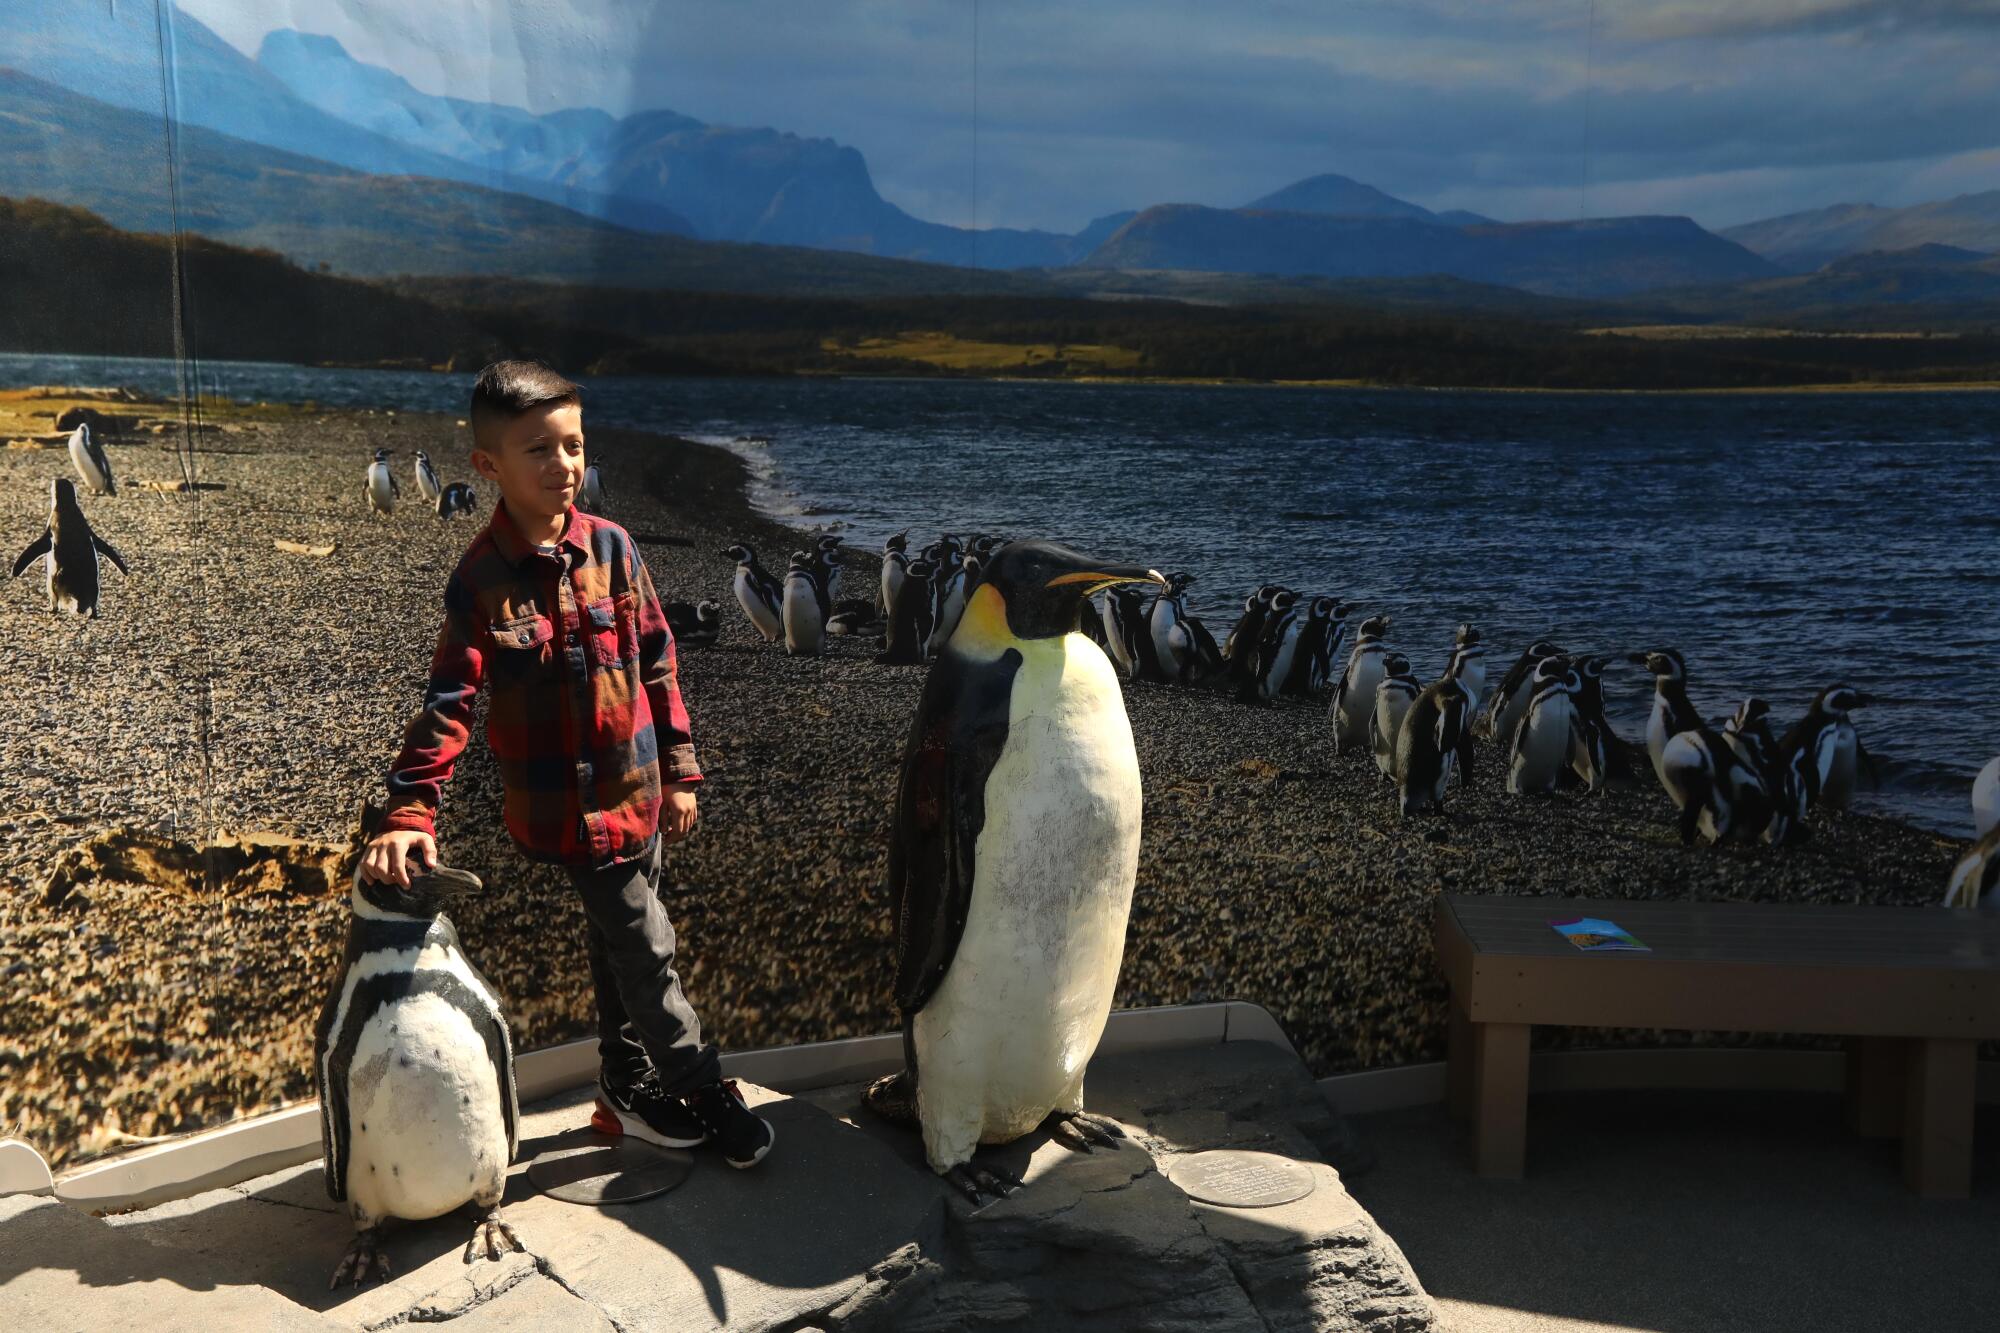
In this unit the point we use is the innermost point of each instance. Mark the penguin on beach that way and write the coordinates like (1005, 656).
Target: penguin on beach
(1166, 623)
(826, 570)
(805, 619)
(1986, 799)
(1597, 752)
(1832, 751)
(427, 479)
(1393, 697)
(381, 490)
(1748, 734)
(1434, 740)
(910, 618)
(1672, 712)
(1014, 852)
(1127, 612)
(87, 456)
(1516, 688)
(758, 593)
(1353, 705)
(455, 499)
(1542, 742)
(1468, 662)
(694, 623)
(590, 495)
(1326, 631)
(1718, 794)
(1271, 658)
(415, 1070)
(69, 549)
(895, 562)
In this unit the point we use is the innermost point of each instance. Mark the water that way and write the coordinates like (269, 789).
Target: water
(1783, 542)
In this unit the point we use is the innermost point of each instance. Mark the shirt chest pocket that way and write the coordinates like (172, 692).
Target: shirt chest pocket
(523, 650)
(613, 626)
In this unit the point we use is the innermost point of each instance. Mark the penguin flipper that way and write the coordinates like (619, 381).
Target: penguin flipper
(960, 727)
(111, 552)
(37, 548)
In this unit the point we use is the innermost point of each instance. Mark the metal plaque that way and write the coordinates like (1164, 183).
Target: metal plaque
(598, 1169)
(1237, 1179)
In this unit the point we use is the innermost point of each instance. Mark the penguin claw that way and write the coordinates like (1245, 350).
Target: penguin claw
(490, 1232)
(973, 1180)
(1080, 1131)
(364, 1255)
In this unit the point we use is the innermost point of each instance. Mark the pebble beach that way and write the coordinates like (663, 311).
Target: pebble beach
(182, 780)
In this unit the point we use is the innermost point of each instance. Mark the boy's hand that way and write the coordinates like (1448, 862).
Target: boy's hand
(389, 856)
(677, 812)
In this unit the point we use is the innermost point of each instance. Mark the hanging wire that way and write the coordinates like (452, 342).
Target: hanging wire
(975, 133)
(187, 378)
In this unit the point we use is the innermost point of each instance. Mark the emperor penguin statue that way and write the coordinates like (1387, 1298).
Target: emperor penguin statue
(415, 1067)
(1011, 865)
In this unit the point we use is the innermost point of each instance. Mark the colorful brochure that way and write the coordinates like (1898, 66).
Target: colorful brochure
(1593, 935)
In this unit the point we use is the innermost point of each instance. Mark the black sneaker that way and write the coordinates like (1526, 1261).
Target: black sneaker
(743, 1137)
(643, 1110)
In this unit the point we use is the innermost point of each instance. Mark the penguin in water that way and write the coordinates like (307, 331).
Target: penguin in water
(455, 499)
(1014, 852)
(758, 593)
(415, 1067)
(590, 495)
(1354, 698)
(1539, 749)
(805, 624)
(1512, 695)
(427, 479)
(1986, 799)
(1468, 662)
(1434, 740)
(87, 456)
(1975, 880)
(895, 562)
(1672, 712)
(1826, 736)
(1165, 621)
(910, 618)
(69, 550)
(694, 622)
(381, 490)
(1393, 698)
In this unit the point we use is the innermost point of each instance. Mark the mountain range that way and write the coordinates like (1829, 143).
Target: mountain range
(328, 160)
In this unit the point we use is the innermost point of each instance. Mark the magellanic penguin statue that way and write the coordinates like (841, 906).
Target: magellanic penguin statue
(418, 1113)
(69, 549)
(1015, 848)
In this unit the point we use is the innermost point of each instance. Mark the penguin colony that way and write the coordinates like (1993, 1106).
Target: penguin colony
(1739, 781)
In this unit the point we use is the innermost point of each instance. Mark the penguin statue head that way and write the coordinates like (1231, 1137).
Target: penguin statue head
(1665, 663)
(1040, 587)
(429, 893)
(1837, 699)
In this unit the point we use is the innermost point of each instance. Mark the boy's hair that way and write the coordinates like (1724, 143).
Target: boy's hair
(506, 389)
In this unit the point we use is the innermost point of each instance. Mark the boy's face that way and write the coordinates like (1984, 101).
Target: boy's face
(537, 461)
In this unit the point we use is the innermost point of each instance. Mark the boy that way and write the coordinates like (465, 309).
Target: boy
(553, 606)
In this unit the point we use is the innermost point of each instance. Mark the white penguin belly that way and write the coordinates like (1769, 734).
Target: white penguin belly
(1838, 762)
(426, 1125)
(802, 622)
(1005, 1039)
(1357, 702)
(1544, 750)
(1390, 706)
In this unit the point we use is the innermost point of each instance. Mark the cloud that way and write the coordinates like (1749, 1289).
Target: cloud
(1777, 18)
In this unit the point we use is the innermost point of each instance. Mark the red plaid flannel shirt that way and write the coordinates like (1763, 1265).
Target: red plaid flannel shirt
(586, 712)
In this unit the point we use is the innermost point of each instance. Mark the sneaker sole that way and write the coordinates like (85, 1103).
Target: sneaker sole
(762, 1152)
(608, 1119)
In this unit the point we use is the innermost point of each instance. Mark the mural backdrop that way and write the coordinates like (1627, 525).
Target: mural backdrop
(1176, 286)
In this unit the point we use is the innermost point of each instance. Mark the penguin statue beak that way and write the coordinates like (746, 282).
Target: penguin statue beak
(1107, 576)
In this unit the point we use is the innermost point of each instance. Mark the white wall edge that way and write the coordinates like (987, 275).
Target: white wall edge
(262, 1144)
(1411, 1085)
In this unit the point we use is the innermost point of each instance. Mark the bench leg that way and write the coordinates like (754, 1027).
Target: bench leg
(1937, 1118)
(1877, 1080)
(1459, 1060)
(1500, 1132)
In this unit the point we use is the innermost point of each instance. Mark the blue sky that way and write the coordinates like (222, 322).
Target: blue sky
(1515, 108)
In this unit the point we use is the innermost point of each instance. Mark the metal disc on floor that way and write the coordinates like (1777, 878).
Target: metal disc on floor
(597, 1169)
(1234, 1178)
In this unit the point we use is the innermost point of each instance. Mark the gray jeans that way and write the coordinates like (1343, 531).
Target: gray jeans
(641, 1012)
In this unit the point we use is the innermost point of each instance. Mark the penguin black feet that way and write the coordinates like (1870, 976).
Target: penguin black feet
(973, 1181)
(363, 1257)
(893, 1097)
(1079, 1131)
(493, 1236)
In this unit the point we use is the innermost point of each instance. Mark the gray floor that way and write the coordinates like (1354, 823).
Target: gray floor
(1685, 1212)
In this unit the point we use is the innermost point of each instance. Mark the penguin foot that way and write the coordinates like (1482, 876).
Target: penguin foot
(893, 1097)
(364, 1256)
(1079, 1131)
(973, 1180)
(489, 1233)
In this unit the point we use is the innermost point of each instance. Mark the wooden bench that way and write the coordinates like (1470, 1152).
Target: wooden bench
(1913, 989)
